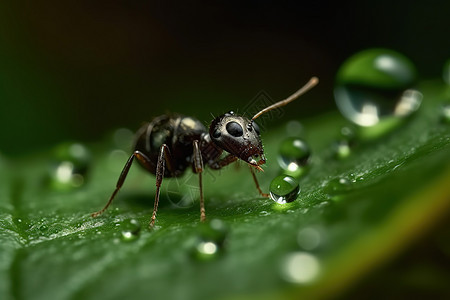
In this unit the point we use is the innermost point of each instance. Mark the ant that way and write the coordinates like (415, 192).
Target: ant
(169, 144)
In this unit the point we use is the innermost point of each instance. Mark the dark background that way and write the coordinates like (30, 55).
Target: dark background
(75, 70)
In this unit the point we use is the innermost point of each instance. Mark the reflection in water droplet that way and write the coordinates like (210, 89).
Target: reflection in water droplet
(284, 189)
(337, 186)
(71, 163)
(301, 268)
(375, 86)
(293, 156)
(211, 239)
(309, 238)
(130, 230)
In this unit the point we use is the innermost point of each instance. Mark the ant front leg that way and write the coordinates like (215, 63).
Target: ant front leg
(198, 168)
(142, 159)
(257, 183)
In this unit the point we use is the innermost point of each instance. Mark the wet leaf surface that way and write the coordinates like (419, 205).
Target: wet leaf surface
(351, 216)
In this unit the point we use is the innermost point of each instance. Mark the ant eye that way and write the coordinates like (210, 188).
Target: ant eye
(217, 134)
(256, 127)
(234, 129)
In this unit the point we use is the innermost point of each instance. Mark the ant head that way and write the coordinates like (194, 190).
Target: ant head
(239, 136)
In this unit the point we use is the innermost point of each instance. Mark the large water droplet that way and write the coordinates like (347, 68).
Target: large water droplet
(293, 156)
(70, 166)
(211, 239)
(130, 230)
(284, 189)
(375, 87)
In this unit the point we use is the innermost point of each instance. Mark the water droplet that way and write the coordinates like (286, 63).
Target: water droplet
(337, 186)
(293, 156)
(264, 213)
(342, 149)
(70, 166)
(375, 87)
(130, 230)
(284, 189)
(210, 241)
(300, 267)
(347, 139)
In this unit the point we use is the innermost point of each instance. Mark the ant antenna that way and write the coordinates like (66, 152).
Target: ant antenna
(309, 85)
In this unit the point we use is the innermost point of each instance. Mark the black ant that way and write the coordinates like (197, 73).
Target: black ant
(169, 144)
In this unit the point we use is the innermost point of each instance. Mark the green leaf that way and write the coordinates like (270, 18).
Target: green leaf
(352, 215)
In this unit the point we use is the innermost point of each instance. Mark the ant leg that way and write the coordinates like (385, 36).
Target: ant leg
(198, 168)
(257, 183)
(143, 159)
(164, 156)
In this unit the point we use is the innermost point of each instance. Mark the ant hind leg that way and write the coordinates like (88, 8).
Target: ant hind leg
(143, 159)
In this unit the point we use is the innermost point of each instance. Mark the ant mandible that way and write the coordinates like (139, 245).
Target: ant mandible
(169, 144)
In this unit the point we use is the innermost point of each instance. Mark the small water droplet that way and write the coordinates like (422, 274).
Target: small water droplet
(284, 189)
(342, 149)
(300, 267)
(337, 186)
(293, 156)
(375, 87)
(210, 241)
(70, 166)
(130, 230)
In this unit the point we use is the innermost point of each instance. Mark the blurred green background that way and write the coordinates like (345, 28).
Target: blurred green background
(74, 70)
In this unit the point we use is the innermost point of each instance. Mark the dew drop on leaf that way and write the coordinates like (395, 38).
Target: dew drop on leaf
(71, 162)
(210, 241)
(337, 186)
(294, 156)
(130, 230)
(284, 189)
(375, 87)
